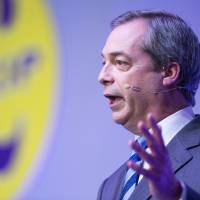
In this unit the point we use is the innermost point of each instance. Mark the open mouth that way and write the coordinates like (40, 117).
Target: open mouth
(114, 101)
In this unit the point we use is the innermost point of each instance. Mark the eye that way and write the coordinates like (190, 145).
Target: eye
(122, 65)
(119, 62)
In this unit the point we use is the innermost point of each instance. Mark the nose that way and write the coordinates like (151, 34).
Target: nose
(105, 76)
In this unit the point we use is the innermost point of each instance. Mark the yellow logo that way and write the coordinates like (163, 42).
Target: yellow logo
(27, 80)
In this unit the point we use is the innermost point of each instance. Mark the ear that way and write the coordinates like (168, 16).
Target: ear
(171, 74)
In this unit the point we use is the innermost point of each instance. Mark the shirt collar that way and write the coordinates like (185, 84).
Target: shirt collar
(172, 124)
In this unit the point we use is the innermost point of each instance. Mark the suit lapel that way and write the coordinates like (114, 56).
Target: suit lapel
(141, 192)
(187, 138)
(179, 157)
(121, 177)
(178, 154)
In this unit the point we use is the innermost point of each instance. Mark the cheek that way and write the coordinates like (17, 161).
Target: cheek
(148, 81)
(135, 78)
(138, 101)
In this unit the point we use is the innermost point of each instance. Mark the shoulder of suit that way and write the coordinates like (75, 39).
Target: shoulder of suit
(190, 134)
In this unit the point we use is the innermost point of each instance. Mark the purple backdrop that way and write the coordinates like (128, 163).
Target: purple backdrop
(88, 145)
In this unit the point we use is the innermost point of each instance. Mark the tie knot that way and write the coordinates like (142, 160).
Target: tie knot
(141, 141)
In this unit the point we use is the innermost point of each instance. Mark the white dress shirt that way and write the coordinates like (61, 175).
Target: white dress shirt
(172, 124)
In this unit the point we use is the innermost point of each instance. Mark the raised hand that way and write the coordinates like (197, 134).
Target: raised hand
(163, 184)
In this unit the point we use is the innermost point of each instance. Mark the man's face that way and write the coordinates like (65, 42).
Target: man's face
(124, 63)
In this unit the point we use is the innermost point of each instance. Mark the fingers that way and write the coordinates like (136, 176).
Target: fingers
(156, 165)
(156, 130)
(154, 137)
(142, 153)
(158, 152)
(139, 169)
(151, 142)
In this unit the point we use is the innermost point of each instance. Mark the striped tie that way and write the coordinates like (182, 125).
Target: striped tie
(131, 175)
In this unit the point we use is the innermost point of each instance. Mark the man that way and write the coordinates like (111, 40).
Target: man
(150, 74)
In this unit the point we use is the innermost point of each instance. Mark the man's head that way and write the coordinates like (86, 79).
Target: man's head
(155, 51)
(169, 39)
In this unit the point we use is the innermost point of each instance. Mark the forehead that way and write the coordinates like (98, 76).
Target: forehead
(125, 37)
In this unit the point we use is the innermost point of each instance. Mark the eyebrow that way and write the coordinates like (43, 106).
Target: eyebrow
(117, 53)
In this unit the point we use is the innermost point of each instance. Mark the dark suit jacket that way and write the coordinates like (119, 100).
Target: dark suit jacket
(184, 151)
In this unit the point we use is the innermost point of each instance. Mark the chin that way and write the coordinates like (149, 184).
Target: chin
(119, 121)
(120, 118)
(127, 120)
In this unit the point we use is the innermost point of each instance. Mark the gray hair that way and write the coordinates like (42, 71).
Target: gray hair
(169, 39)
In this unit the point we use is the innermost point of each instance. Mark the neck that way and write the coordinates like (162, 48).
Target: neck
(163, 107)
